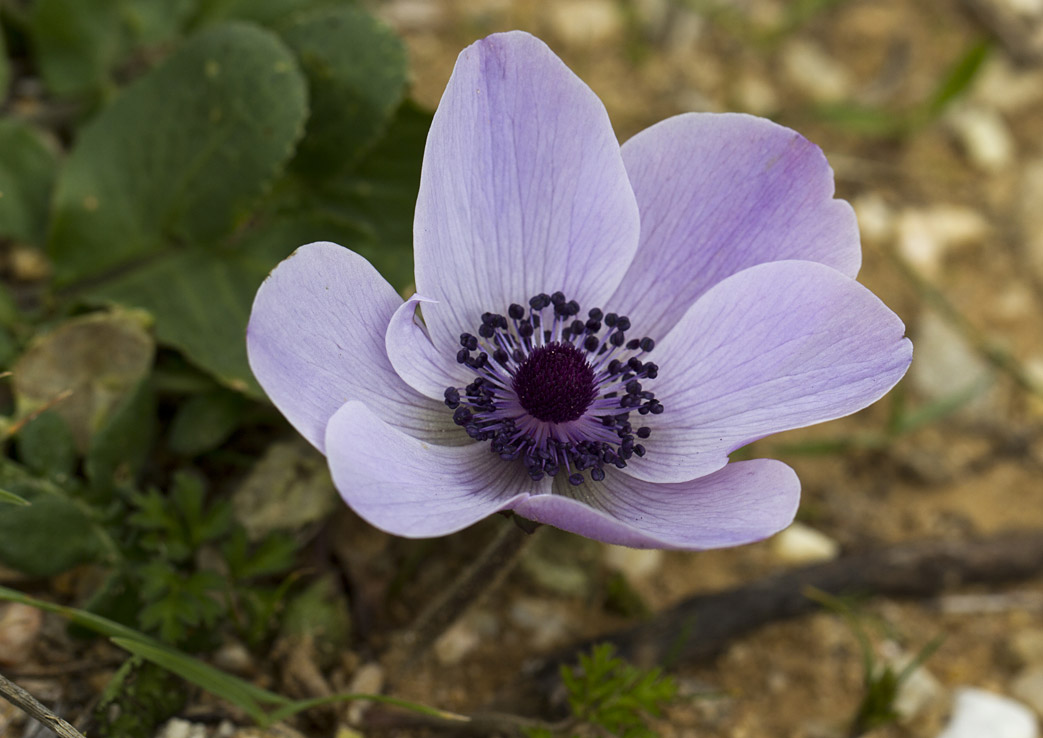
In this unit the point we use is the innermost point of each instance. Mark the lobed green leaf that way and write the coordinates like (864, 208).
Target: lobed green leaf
(180, 157)
(27, 172)
(356, 70)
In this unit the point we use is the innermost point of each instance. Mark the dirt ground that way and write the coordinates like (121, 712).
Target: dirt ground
(949, 194)
(950, 209)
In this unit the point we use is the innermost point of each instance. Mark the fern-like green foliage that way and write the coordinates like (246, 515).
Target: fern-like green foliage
(610, 697)
(178, 596)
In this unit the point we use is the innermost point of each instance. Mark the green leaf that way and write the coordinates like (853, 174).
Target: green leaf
(122, 445)
(379, 195)
(27, 173)
(205, 421)
(87, 365)
(201, 299)
(51, 534)
(248, 697)
(237, 691)
(5, 66)
(182, 155)
(46, 445)
(959, 77)
(273, 555)
(356, 70)
(11, 498)
(78, 43)
(271, 13)
(179, 601)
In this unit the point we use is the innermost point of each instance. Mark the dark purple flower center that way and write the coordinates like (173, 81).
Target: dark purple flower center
(556, 383)
(556, 392)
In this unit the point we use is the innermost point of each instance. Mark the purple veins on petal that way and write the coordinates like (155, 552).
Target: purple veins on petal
(716, 242)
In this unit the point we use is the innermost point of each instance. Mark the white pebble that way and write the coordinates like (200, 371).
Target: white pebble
(818, 75)
(981, 714)
(586, 22)
(920, 691)
(178, 728)
(367, 679)
(947, 366)
(800, 544)
(636, 564)
(984, 136)
(876, 220)
(927, 235)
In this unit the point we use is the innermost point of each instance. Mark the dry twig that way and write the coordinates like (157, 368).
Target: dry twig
(31, 706)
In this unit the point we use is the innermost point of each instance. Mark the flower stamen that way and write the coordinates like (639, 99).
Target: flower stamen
(556, 394)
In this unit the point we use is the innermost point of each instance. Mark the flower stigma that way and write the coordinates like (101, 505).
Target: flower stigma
(556, 394)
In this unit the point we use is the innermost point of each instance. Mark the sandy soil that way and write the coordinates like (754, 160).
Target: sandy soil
(952, 242)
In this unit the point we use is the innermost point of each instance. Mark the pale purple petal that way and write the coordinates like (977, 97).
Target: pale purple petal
(315, 340)
(413, 489)
(777, 346)
(719, 193)
(423, 366)
(522, 191)
(744, 502)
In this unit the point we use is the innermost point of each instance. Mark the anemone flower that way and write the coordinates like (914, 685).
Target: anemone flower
(595, 328)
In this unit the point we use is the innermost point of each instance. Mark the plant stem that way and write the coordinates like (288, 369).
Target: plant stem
(29, 704)
(485, 572)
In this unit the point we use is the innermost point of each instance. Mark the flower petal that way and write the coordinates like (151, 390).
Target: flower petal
(410, 488)
(777, 346)
(744, 502)
(315, 340)
(719, 193)
(522, 190)
(419, 362)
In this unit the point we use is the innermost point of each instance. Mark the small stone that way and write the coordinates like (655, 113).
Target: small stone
(287, 489)
(546, 623)
(19, 628)
(178, 728)
(799, 544)
(234, 657)
(368, 679)
(561, 565)
(755, 95)
(636, 564)
(984, 136)
(1028, 686)
(585, 22)
(808, 67)
(981, 714)
(28, 264)
(947, 366)
(411, 15)
(279, 730)
(875, 218)
(453, 645)
(1027, 8)
(919, 692)
(1007, 88)
(927, 235)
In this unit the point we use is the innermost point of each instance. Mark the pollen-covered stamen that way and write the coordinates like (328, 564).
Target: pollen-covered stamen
(556, 391)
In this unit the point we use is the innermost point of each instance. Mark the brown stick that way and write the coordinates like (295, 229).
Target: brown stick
(29, 704)
(700, 627)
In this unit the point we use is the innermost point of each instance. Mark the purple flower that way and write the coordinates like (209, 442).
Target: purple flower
(601, 325)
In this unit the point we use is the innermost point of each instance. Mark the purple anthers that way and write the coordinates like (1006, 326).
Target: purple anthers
(716, 234)
(556, 391)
